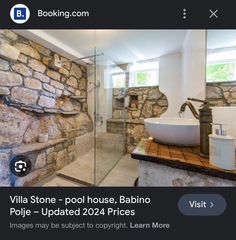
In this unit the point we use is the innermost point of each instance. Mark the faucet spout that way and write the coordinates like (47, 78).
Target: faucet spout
(191, 107)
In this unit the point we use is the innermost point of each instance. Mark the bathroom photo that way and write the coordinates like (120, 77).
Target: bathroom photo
(129, 108)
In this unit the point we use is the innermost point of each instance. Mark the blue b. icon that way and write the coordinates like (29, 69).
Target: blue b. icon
(19, 13)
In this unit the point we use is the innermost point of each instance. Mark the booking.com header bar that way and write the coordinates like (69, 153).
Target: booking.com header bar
(20, 13)
(116, 14)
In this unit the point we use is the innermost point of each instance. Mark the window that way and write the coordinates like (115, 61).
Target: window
(221, 66)
(118, 80)
(144, 74)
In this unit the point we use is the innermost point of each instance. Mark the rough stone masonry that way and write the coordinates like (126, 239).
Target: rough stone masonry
(142, 102)
(221, 93)
(40, 92)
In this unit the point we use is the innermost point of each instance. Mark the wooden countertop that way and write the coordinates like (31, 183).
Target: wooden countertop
(185, 158)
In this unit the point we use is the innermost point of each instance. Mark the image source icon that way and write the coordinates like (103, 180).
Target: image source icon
(20, 13)
(20, 166)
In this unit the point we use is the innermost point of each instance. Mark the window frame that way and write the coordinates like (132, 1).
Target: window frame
(116, 74)
(220, 80)
(133, 73)
(220, 61)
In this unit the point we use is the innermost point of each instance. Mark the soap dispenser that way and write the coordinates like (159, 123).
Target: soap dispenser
(222, 148)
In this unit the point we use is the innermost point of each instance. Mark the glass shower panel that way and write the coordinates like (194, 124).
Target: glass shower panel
(81, 169)
(109, 124)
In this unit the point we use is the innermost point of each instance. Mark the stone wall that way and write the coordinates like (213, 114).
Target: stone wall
(158, 175)
(221, 94)
(131, 107)
(140, 103)
(40, 92)
(135, 131)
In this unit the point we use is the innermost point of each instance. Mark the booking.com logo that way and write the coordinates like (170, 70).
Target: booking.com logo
(20, 13)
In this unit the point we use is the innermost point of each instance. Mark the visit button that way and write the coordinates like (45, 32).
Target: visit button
(202, 204)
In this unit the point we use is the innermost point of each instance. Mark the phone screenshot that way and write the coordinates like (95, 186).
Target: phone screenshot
(117, 120)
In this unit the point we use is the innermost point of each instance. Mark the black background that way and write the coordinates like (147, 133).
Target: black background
(125, 14)
(163, 208)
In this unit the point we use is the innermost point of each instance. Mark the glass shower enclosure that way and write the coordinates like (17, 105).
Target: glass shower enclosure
(109, 140)
(97, 152)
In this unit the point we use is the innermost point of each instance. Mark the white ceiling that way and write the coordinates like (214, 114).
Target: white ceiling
(122, 46)
(221, 38)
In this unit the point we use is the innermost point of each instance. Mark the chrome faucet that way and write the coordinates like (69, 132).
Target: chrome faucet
(205, 118)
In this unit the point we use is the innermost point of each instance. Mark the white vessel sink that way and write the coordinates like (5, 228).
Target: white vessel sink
(174, 131)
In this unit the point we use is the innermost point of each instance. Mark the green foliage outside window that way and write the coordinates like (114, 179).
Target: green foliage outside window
(220, 72)
(142, 78)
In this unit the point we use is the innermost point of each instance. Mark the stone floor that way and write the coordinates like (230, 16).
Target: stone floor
(123, 174)
(55, 181)
(90, 171)
(81, 169)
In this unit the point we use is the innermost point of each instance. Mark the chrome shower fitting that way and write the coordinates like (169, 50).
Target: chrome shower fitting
(98, 119)
(82, 58)
(95, 85)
